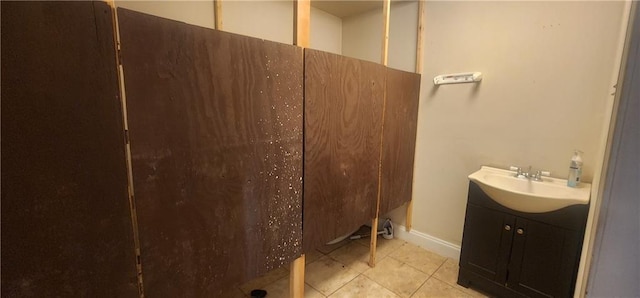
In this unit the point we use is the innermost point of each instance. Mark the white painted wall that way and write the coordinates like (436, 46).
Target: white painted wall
(362, 36)
(326, 32)
(403, 24)
(192, 12)
(547, 70)
(270, 20)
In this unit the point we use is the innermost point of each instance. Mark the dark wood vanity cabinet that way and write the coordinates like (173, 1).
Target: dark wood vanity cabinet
(508, 253)
(487, 242)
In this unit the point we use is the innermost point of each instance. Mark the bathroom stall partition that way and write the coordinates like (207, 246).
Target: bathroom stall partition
(66, 223)
(399, 138)
(355, 109)
(343, 124)
(215, 125)
(214, 122)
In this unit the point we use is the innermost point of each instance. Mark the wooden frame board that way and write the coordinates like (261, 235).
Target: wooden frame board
(217, 14)
(302, 23)
(419, 48)
(386, 14)
(343, 114)
(215, 125)
(66, 225)
(301, 29)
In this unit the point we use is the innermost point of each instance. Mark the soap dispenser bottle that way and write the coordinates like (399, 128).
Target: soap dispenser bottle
(575, 169)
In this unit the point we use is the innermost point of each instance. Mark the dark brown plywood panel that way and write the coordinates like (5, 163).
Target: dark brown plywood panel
(66, 224)
(399, 138)
(343, 124)
(215, 125)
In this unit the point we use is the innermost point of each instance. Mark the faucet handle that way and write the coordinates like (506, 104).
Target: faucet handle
(518, 170)
(539, 174)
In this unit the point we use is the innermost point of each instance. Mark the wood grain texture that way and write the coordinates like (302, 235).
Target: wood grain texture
(399, 138)
(66, 225)
(343, 123)
(215, 124)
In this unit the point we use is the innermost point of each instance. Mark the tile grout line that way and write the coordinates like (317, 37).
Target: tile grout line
(401, 264)
(429, 275)
(346, 283)
(428, 278)
(454, 285)
(308, 284)
(359, 273)
(362, 274)
(390, 290)
(381, 286)
(343, 266)
(342, 286)
(425, 281)
(414, 267)
(420, 287)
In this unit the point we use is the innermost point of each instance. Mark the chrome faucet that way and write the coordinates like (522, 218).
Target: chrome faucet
(528, 174)
(538, 175)
(519, 172)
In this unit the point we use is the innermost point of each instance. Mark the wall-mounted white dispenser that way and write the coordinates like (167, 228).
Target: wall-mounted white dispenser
(457, 78)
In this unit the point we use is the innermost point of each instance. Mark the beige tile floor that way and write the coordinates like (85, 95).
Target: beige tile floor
(341, 270)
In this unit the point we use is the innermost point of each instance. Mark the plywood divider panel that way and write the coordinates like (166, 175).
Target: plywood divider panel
(398, 147)
(66, 226)
(215, 125)
(343, 114)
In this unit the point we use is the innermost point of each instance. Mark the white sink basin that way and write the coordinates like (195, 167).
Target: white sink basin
(526, 195)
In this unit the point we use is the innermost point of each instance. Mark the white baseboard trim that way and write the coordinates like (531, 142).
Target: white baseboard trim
(431, 243)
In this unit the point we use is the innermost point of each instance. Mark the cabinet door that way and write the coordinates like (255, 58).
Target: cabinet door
(486, 242)
(543, 260)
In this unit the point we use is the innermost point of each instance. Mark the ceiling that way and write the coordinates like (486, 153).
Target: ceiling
(343, 9)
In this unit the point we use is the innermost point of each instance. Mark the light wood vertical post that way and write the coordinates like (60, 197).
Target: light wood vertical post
(302, 22)
(409, 216)
(296, 278)
(419, 44)
(217, 14)
(386, 13)
(301, 31)
(386, 10)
